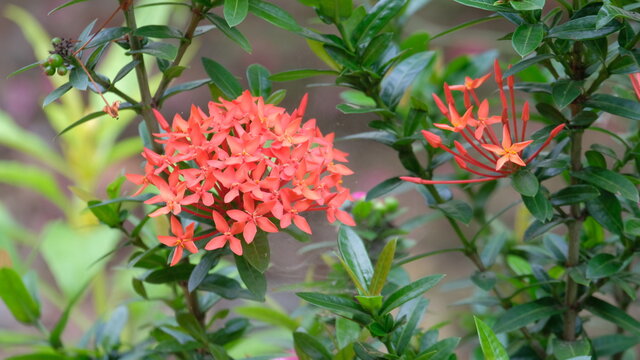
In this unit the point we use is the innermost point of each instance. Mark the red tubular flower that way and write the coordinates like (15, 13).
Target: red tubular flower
(245, 164)
(635, 81)
(491, 158)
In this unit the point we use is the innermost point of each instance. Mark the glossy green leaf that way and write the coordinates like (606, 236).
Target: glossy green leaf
(527, 37)
(17, 298)
(526, 63)
(457, 209)
(350, 109)
(253, 279)
(336, 10)
(384, 188)
(376, 48)
(200, 272)
(276, 97)
(617, 316)
(376, 19)
(300, 74)
(355, 255)
(159, 32)
(538, 228)
(56, 94)
(609, 181)
(485, 280)
(235, 11)
(608, 345)
(308, 348)
(522, 315)
(525, 183)
(269, 316)
(258, 79)
(574, 194)
(583, 28)
(222, 78)
(274, 15)
(568, 350)
(232, 33)
(160, 50)
(225, 287)
(409, 292)
(539, 206)
(24, 68)
(333, 303)
(257, 253)
(602, 265)
(564, 92)
(397, 81)
(527, 5)
(125, 70)
(180, 272)
(190, 85)
(441, 350)
(615, 105)
(383, 266)
(414, 312)
(489, 343)
(106, 35)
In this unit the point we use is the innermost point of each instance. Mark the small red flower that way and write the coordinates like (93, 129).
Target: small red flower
(227, 236)
(635, 81)
(182, 240)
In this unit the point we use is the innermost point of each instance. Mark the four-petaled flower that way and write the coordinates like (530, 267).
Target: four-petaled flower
(489, 158)
(227, 236)
(183, 239)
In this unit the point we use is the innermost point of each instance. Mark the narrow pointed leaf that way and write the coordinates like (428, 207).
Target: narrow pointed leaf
(235, 11)
(409, 292)
(489, 343)
(222, 78)
(355, 255)
(383, 266)
(17, 298)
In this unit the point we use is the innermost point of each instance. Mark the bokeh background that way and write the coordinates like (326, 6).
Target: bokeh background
(26, 219)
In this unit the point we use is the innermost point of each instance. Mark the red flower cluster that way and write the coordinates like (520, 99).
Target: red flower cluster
(243, 165)
(635, 81)
(491, 159)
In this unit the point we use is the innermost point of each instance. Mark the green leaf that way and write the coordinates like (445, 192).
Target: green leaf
(107, 214)
(614, 105)
(108, 34)
(376, 19)
(68, 3)
(441, 350)
(382, 137)
(539, 206)
(574, 194)
(409, 292)
(33, 178)
(200, 272)
(538, 228)
(61, 324)
(333, 303)
(383, 266)
(583, 28)
(190, 85)
(274, 15)
(355, 256)
(396, 82)
(276, 97)
(17, 298)
(609, 181)
(519, 265)
(522, 315)
(258, 79)
(56, 94)
(350, 109)
(564, 92)
(525, 63)
(180, 272)
(257, 253)
(23, 69)
(613, 344)
(232, 33)
(527, 37)
(485, 280)
(527, 5)
(90, 117)
(269, 316)
(491, 346)
(300, 74)
(457, 209)
(159, 32)
(376, 48)
(222, 78)
(613, 314)
(486, 5)
(336, 10)
(235, 11)
(602, 265)
(38, 356)
(414, 312)
(347, 332)
(125, 70)
(255, 281)
(384, 188)
(525, 183)
(308, 348)
(568, 350)
(160, 50)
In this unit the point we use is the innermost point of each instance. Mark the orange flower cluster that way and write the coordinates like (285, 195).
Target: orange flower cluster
(489, 158)
(243, 165)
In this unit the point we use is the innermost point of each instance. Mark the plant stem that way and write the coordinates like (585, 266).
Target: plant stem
(192, 304)
(196, 16)
(573, 256)
(141, 74)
